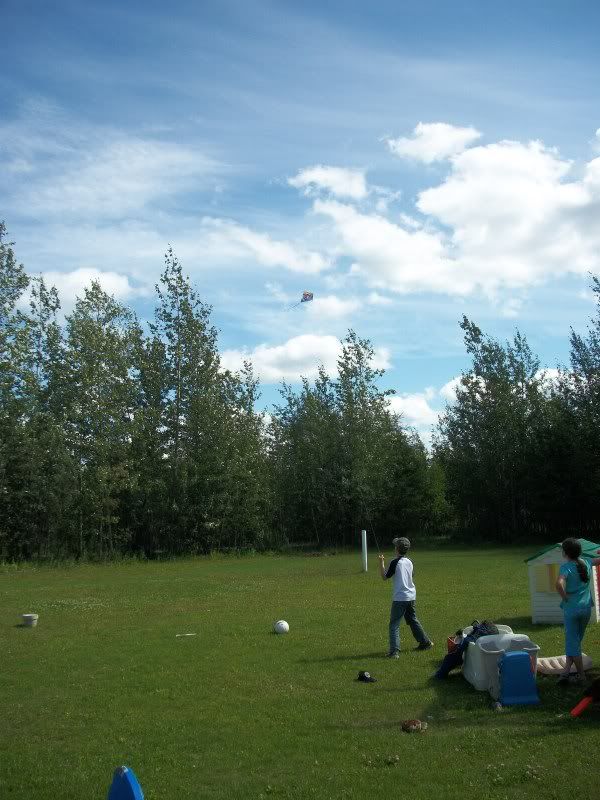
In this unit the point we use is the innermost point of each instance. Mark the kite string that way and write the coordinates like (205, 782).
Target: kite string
(376, 542)
(370, 519)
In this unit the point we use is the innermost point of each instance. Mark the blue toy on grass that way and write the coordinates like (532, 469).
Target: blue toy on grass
(125, 786)
(517, 680)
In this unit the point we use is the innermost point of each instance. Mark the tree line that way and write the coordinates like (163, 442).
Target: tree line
(118, 438)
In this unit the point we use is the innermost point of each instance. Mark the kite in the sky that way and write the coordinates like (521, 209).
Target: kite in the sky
(306, 298)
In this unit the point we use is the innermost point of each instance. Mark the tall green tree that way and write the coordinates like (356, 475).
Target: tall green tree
(184, 342)
(572, 438)
(47, 514)
(34, 495)
(149, 499)
(98, 396)
(485, 437)
(14, 341)
(200, 429)
(342, 460)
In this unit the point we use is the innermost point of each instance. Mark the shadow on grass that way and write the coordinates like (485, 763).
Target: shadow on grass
(454, 696)
(524, 624)
(343, 657)
(458, 708)
(380, 655)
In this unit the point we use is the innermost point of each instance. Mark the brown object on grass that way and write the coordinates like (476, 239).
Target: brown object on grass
(413, 726)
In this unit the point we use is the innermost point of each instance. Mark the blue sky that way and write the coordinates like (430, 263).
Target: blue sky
(407, 164)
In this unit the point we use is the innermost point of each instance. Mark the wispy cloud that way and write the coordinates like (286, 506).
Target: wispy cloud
(230, 240)
(77, 172)
(119, 179)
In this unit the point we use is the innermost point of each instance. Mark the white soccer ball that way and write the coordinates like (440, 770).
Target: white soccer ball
(281, 626)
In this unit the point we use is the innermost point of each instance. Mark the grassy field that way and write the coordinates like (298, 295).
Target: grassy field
(237, 712)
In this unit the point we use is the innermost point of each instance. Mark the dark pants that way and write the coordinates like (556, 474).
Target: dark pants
(453, 659)
(406, 609)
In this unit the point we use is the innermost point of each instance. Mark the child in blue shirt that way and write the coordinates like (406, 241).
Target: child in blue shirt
(573, 585)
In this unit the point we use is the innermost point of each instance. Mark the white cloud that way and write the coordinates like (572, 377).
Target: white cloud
(433, 141)
(389, 257)
(416, 411)
(422, 410)
(514, 218)
(267, 418)
(339, 181)
(448, 390)
(299, 356)
(376, 299)
(507, 216)
(548, 376)
(332, 307)
(71, 285)
(230, 241)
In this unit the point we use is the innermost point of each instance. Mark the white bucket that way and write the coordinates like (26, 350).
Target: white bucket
(30, 620)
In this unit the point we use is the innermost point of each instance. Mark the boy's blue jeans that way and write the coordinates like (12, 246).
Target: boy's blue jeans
(405, 609)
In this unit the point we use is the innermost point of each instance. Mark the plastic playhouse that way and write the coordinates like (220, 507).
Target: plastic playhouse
(491, 664)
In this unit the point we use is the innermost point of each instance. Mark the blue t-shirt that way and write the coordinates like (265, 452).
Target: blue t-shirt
(578, 592)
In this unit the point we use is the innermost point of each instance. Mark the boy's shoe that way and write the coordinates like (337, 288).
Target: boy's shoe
(425, 645)
(394, 654)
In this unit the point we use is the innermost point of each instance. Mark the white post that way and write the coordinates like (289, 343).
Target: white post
(364, 550)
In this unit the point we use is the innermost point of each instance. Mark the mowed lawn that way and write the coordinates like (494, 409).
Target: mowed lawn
(238, 712)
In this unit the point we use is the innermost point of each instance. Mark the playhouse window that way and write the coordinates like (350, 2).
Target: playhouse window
(546, 576)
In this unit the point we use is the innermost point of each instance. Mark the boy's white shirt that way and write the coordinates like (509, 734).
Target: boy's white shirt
(404, 588)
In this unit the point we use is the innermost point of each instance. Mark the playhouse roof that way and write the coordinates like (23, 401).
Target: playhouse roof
(589, 549)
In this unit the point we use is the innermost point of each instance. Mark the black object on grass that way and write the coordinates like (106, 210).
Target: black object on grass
(366, 677)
